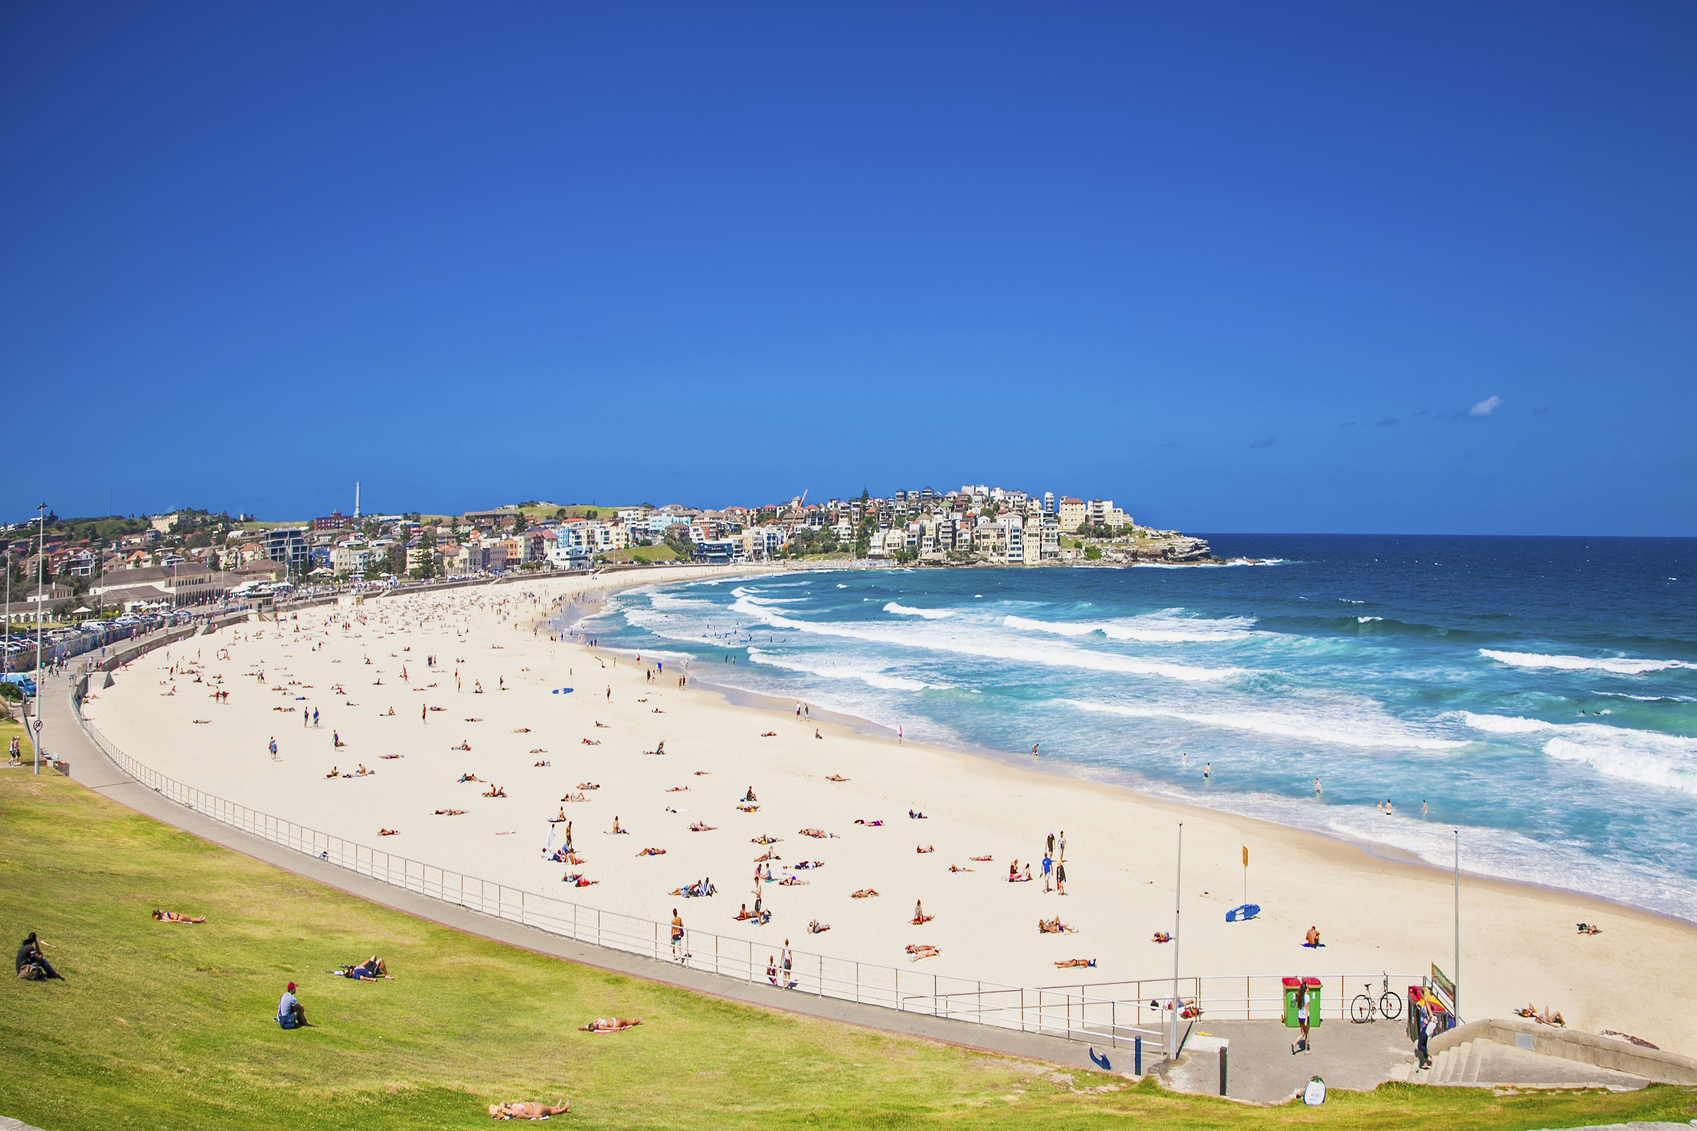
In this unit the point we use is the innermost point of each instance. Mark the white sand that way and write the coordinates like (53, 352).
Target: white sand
(1519, 944)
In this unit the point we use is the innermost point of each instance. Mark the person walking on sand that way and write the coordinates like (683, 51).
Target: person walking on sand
(273, 748)
(1061, 878)
(1048, 866)
(1050, 850)
(1063, 846)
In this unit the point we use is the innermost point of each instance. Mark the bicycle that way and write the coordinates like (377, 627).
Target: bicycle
(1364, 1009)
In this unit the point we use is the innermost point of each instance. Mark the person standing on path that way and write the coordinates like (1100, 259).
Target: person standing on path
(677, 935)
(787, 961)
(1302, 1044)
(1061, 878)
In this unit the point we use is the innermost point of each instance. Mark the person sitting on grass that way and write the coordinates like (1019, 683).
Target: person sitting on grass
(174, 917)
(32, 964)
(290, 1013)
(527, 1109)
(611, 1024)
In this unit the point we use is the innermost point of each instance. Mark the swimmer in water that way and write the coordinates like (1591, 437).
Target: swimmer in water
(1422, 806)
(1316, 787)
(1207, 770)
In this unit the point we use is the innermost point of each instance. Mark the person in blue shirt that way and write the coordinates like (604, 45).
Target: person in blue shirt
(290, 1013)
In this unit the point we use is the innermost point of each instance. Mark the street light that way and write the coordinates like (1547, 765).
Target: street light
(40, 598)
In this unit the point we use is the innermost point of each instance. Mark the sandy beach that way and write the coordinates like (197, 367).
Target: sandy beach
(493, 704)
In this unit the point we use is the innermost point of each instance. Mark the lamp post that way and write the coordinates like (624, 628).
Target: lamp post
(40, 597)
(1455, 999)
(1178, 880)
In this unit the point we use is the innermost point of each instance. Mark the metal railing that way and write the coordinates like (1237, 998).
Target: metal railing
(1057, 1012)
(1237, 997)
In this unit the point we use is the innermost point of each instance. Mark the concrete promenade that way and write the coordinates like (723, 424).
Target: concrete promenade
(90, 767)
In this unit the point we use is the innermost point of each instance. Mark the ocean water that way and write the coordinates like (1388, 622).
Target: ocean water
(1538, 694)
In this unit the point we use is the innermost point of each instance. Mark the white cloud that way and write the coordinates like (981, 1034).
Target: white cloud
(1485, 407)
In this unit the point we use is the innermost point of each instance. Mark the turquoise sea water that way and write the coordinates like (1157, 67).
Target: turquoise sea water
(1539, 694)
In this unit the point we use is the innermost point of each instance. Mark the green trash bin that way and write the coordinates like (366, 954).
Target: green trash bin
(1313, 987)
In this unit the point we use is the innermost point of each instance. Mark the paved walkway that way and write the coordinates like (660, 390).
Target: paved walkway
(1260, 1068)
(91, 767)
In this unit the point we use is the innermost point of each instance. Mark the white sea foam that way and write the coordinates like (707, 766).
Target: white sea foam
(1339, 730)
(1644, 756)
(1367, 620)
(965, 641)
(1618, 665)
(1157, 628)
(827, 671)
(928, 614)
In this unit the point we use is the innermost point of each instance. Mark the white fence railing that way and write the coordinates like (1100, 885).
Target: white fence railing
(1244, 997)
(1058, 1012)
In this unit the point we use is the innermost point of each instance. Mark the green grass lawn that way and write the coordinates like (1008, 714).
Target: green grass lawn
(172, 1025)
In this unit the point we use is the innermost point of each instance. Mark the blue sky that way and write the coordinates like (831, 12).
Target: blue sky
(1237, 267)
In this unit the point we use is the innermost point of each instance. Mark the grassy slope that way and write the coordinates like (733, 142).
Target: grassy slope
(165, 1023)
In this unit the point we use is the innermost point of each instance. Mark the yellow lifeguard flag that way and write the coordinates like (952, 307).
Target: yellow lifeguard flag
(1246, 856)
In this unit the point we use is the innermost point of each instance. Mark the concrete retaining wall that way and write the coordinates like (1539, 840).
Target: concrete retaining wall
(1583, 1048)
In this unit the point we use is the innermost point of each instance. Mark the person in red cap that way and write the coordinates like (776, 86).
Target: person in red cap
(290, 1013)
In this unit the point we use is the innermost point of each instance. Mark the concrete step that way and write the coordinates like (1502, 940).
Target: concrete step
(1475, 1055)
(1443, 1065)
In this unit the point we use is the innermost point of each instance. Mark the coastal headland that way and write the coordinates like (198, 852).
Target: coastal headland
(424, 689)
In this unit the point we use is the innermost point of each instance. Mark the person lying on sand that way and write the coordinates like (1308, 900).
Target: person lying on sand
(603, 726)
(769, 734)
(864, 893)
(652, 852)
(587, 785)
(592, 742)
(450, 812)
(1072, 963)
(677, 789)
(1590, 929)
(764, 839)
(1161, 936)
(536, 765)
(334, 773)
(1053, 926)
(745, 913)
(916, 816)
(836, 777)
(923, 950)
(611, 1024)
(526, 1109)
(870, 824)
(747, 808)
(578, 881)
(958, 868)
(701, 827)
(810, 864)
(469, 777)
(495, 791)
(464, 745)
(173, 917)
(388, 832)
(818, 834)
(574, 797)
(924, 850)
(817, 928)
(792, 882)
